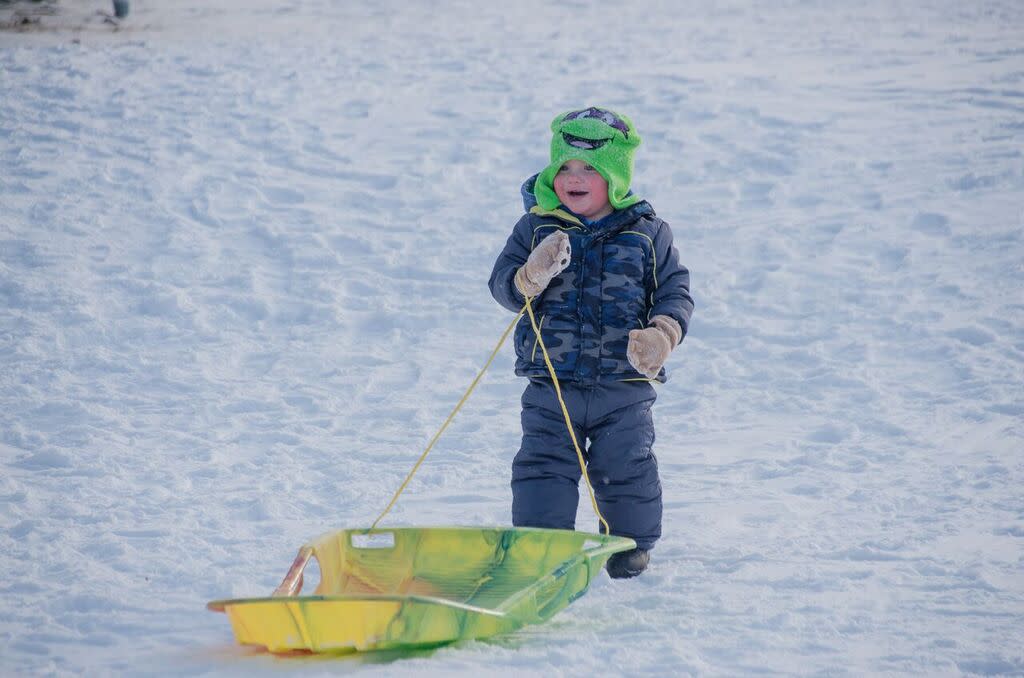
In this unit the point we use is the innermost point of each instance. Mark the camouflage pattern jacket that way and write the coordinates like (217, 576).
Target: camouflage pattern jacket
(624, 270)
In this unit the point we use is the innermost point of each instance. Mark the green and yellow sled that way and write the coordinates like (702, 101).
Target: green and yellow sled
(414, 587)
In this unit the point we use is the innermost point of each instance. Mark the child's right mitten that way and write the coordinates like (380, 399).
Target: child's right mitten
(546, 261)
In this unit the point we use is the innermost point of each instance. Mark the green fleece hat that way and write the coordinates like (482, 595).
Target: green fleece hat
(599, 137)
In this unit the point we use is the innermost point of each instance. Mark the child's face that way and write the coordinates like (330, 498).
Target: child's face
(582, 189)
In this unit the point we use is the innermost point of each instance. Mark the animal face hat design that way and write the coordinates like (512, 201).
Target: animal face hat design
(603, 139)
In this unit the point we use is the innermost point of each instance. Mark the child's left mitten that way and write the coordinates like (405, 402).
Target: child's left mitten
(649, 348)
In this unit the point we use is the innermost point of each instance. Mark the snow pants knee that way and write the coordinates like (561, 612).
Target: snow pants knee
(615, 431)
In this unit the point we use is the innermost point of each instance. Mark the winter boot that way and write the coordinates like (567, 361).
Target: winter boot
(627, 564)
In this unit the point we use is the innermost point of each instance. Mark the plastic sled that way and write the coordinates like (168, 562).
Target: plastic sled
(415, 587)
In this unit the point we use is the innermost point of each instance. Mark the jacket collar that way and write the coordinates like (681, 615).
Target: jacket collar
(609, 224)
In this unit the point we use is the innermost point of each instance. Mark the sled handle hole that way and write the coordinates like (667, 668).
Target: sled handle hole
(375, 540)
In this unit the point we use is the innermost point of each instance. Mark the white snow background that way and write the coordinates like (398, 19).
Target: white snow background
(244, 248)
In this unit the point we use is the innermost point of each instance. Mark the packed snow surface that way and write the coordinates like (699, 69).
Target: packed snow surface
(244, 248)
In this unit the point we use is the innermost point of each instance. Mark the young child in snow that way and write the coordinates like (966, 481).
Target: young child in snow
(611, 300)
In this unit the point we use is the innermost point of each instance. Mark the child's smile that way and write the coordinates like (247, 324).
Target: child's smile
(583, 190)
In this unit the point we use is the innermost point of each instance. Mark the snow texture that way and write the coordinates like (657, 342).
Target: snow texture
(244, 248)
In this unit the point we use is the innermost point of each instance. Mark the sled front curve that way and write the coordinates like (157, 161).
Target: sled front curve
(414, 587)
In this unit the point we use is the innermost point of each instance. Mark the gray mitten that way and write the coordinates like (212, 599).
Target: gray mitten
(648, 349)
(546, 261)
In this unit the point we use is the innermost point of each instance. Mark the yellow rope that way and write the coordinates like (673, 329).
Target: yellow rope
(449, 419)
(568, 419)
(527, 308)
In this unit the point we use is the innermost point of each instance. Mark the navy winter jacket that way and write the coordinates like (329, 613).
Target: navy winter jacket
(624, 270)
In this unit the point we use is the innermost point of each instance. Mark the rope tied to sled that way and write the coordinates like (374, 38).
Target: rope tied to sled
(568, 419)
(528, 309)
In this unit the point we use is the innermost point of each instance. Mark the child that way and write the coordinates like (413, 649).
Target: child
(611, 300)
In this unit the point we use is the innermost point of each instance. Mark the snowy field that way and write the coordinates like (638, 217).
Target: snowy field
(244, 248)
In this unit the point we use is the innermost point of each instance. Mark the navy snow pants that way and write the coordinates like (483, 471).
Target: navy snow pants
(615, 431)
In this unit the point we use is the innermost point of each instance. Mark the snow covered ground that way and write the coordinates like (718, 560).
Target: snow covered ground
(243, 256)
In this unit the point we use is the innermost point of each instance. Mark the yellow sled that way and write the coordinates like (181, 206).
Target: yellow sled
(414, 587)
